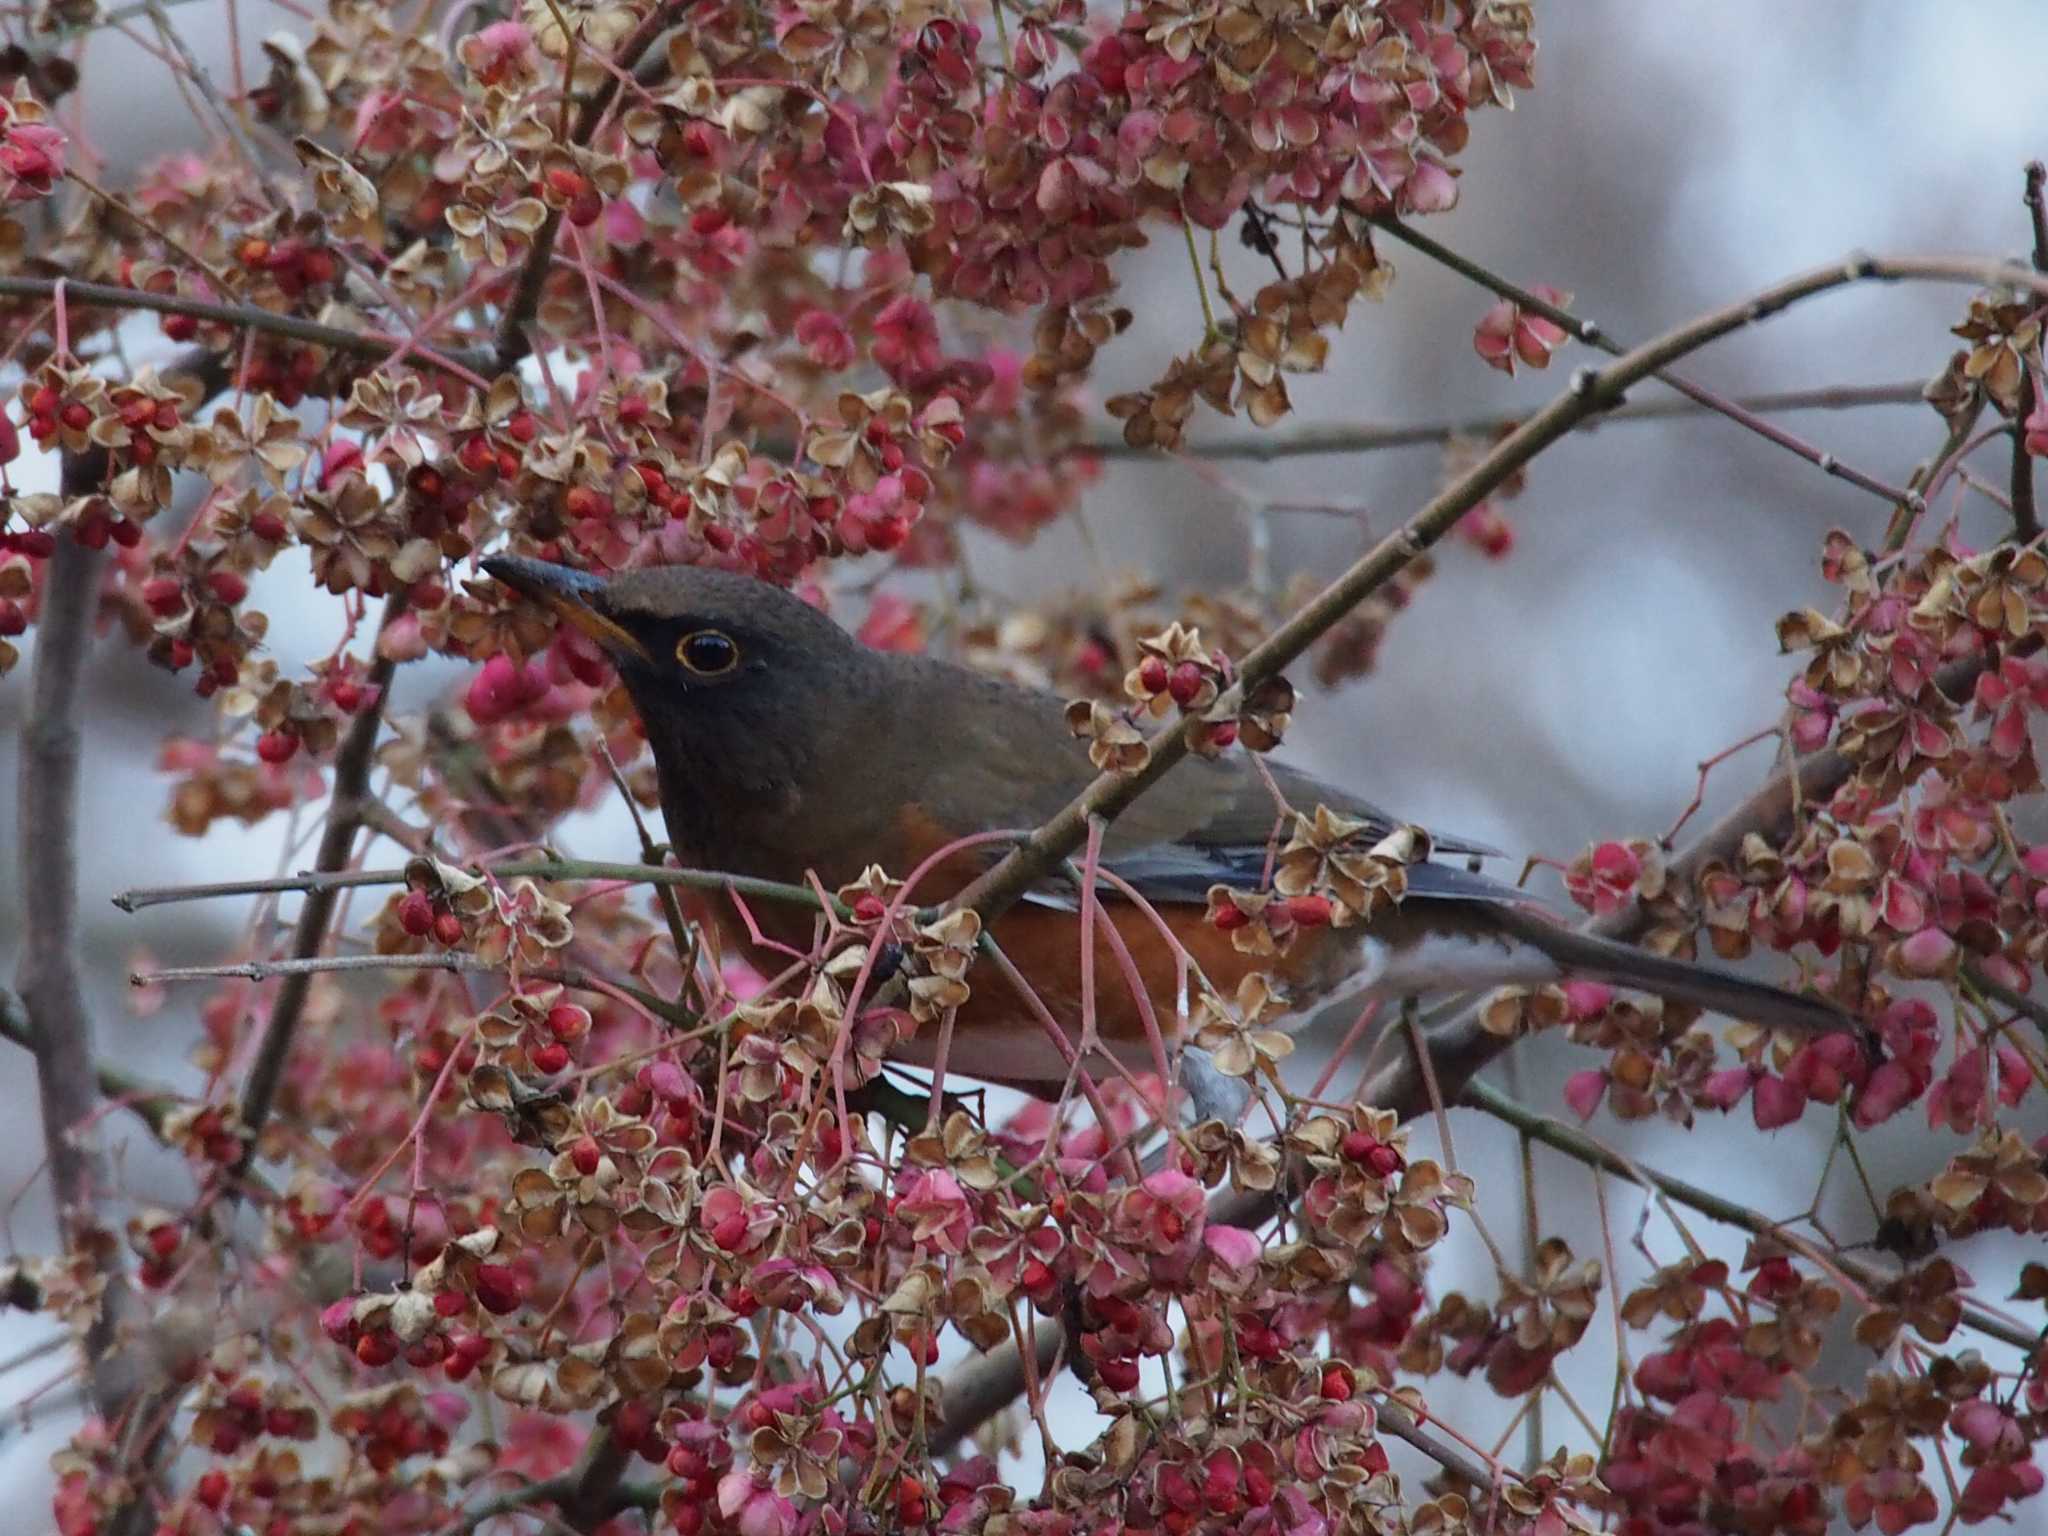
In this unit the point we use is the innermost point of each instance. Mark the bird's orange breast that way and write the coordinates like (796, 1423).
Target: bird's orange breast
(1171, 952)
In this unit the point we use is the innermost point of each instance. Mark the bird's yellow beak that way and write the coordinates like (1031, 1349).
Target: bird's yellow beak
(570, 594)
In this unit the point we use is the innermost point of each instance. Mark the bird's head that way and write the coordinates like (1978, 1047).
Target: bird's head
(685, 630)
(740, 684)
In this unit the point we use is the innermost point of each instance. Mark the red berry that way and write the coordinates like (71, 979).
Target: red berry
(12, 620)
(277, 747)
(1337, 1382)
(869, 908)
(77, 416)
(229, 587)
(1152, 675)
(212, 1488)
(1186, 683)
(587, 1155)
(1229, 917)
(448, 928)
(1120, 1374)
(1310, 911)
(379, 1348)
(1037, 1280)
(498, 1290)
(416, 913)
(478, 456)
(269, 527)
(568, 1022)
(163, 595)
(551, 1058)
(911, 1506)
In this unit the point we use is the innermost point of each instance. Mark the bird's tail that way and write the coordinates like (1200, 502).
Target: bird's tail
(1681, 981)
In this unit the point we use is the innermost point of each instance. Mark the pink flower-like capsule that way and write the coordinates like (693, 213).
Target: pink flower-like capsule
(32, 156)
(1508, 333)
(906, 337)
(754, 1508)
(935, 1208)
(1604, 877)
(1776, 1101)
(825, 340)
(499, 52)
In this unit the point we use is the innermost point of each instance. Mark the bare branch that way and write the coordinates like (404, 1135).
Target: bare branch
(545, 868)
(514, 344)
(2026, 523)
(51, 982)
(368, 344)
(1343, 438)
(1595, 336)
(1574, 1143)
(344, 819)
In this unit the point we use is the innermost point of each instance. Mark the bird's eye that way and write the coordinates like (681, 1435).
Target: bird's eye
(708, 652)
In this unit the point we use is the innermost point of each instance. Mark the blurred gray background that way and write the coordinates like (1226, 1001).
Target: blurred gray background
(1672, 157)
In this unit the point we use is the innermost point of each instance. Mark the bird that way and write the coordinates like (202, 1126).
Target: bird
(785, 749)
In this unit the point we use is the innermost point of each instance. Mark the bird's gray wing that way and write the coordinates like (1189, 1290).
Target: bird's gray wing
(1211, 823)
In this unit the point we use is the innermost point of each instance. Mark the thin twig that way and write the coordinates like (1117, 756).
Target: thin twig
(513, 343)
(344, 819)
(368, 344)
(1594, 336)
(2026, 523)
(1575, 1143)
(149, 1102)
(1343, 438)
(539, 868)
(455, 961)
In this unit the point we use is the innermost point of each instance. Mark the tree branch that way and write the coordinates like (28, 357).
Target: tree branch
(344, 819)
(1575, 1143)
(1593, 335)
(2026, 523)
(51, 983)
(513, 344)
(368, 344)
(544, 868)
(1342, 438)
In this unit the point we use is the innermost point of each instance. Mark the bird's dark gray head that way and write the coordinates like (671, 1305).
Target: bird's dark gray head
(743, 688)
(685, 628)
